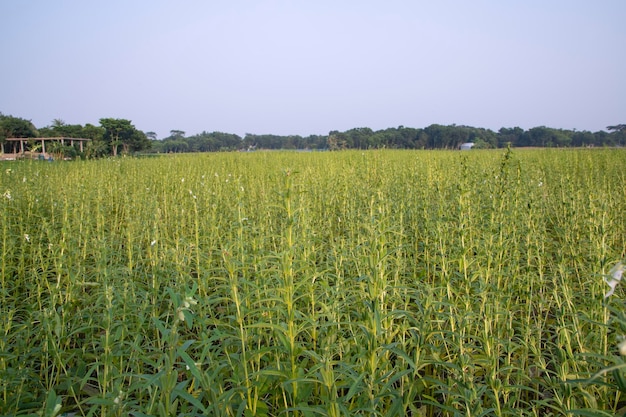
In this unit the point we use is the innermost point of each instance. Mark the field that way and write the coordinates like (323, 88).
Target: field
(388, 283)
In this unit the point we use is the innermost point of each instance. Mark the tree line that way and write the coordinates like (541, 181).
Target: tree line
(432, 137)
(119, 136)
(111, 137)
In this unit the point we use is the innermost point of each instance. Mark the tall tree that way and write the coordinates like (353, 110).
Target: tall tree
(177, 134)
(511, 136)
(121, 132)
(618, 133)
(15, 127)
(58, 123)
(620, 127)
(61, 129)
(93, 132)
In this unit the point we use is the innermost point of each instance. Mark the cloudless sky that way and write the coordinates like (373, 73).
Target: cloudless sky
(312, 66)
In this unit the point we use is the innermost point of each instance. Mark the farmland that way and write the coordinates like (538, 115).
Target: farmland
(424, 283)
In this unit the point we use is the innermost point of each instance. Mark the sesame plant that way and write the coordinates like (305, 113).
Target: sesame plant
(388, 283)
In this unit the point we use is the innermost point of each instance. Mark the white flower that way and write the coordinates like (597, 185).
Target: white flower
(613, 278)
(119, 398)
(189, 301)
(27, 237)
(182, 180)
(153, 243)
(622, 347)
(7, 194)
(197, 364)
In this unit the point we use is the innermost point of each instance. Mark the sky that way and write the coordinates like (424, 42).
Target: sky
(312, 66)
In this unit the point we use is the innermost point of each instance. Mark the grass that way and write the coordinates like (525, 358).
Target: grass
(353, 283)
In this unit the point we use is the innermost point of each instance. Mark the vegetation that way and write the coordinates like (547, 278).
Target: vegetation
(16, 127)
(431, 137)
(114, 135)
(106, 139)
(424, 283)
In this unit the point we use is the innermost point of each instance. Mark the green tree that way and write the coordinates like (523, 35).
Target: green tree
(96, 149)
(60, 151)
(510, 136)
(336, 141)
(15, 127)
(61, 129)
(582, 138)
(93, 132)
(175, 146)
(121, 132)
(177, 134)
(138, 142)
(618, 134)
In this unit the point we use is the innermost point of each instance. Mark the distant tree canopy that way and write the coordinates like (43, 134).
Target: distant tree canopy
(16, 127)
(252, 141)
(451, 137)
(121, 132)
(109, 138)
(203, 142)
(432, 137)
(115, 136)
(61, 129)
(619, 133)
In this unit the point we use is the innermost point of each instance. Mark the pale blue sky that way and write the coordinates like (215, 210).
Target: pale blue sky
(308, 67)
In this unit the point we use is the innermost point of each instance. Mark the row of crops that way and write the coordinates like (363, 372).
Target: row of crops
(391, 283)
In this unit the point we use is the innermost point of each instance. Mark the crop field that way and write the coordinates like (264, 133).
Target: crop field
(377, 283)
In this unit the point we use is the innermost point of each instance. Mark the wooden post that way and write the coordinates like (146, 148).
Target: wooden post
(43, 147)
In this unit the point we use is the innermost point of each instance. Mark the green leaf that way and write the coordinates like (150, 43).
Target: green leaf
(53, 404)
(590, 413)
